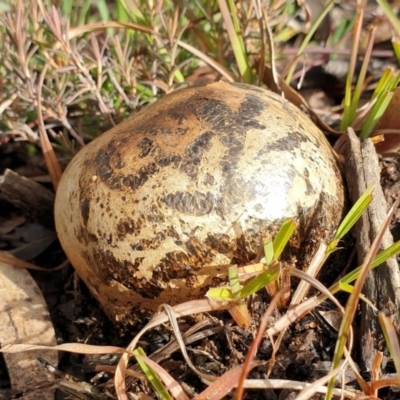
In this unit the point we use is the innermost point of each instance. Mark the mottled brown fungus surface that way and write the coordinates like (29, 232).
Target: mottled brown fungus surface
(154, 210)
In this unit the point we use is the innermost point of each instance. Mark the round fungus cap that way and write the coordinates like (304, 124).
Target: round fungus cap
(155, 210)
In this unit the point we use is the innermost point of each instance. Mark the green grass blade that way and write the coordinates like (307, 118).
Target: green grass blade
(345, 287)
(345, 326)
(386, 254)
(66, 8)
(351, 114)
(345, 26)
(396, 48)
(281, 239)
(122, 12)
(393, 18)
(151, 375)
(355, 213)
(309, 36)
(261, 280)
(378, 260)
(234, 280)
(235, 37)
(134, 13)
(382, 95)
(268, 251)
(221, 294)
(351, 218)
(351, 305)
(375, 114)
(5, 6)
(84, 14)
(383, 83)
(103, 10)
(345, 122)
(251, 287)
(394, 83)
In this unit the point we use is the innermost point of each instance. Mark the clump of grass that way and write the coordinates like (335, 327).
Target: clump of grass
(103, 62)
(380, 99)
(91, 81)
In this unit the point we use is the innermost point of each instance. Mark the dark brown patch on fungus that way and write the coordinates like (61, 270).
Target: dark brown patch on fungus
(85, 209)
(196, 203)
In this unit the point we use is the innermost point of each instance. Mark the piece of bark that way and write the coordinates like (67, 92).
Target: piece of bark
(24, 318)
(34, 200)
(382, 285)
